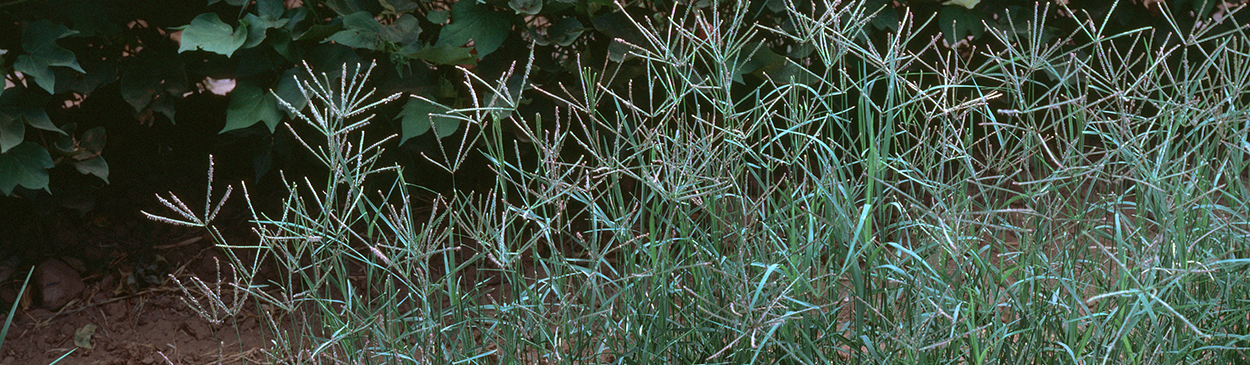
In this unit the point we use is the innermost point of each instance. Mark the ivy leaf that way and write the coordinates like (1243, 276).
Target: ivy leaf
(419, 115)
(886, 17)
(32, 67)
(154, 83)
(776, 6)
(24, 106)
(250, 104)
(288, 90)
(480, 23)
(562, 32)
(94, 166)
(530, 7)
(208, 33)
(1201, 8)
(618, 25)
(12, 131)
(439, 17)
(164, 104)
(256, 29)
(99, 72)
(39, 42)
(331, 57)
(92, 142)
(957, 22)
(403, 31)
(445, 55)
(360, 30)
(282, 43)
(398, 6)
(270, 9)
(964, 3)
(762, 59)
(304, 26)
(65, 145)
(138, 85)
(345, 7)
(27, 165)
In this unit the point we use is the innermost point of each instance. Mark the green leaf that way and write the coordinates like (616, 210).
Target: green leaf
(404, 31)
(138, 85)
(618, 52)
(964, 3)
(445, 55)
(164, 104)
(618, 25)
(34, 67)
(27, 165)
(419, 115)
(288, 89)
(99, 72)
(480, 23)
(94, 166)
(886, 17)
(762, 60)
(332, 57)
(12, 131)
(257, 26)
(438, 16)
(39, 42)
(291, 51)
(250, 104)
(776, 6)
(304, 26)
(28, 107)
(270, 9)
(93, 140)
(957, 22)
(530, 7)
(208, 33)
(398, 6)
(65, 145)
(360, 30)
(562, 32)
(1201, 8)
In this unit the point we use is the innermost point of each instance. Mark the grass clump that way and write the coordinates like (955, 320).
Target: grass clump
(1051, 204)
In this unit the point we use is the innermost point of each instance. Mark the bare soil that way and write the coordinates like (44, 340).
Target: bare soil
(134, 324)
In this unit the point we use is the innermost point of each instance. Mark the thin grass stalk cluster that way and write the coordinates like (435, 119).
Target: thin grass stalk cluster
(1056, 202)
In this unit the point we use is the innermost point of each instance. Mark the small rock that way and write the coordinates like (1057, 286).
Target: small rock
(75, 263)
(7, 294)
(9, 360)
(58, 283)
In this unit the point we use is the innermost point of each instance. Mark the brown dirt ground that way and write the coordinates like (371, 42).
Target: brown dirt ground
(151, 325)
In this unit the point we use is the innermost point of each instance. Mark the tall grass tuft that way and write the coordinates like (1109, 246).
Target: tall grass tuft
(1054, 202)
